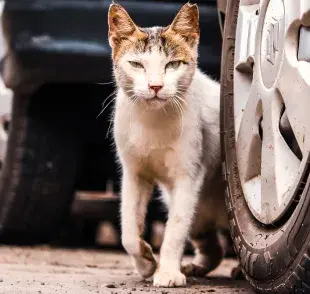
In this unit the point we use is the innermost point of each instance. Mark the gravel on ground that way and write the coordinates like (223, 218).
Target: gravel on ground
(46, 270)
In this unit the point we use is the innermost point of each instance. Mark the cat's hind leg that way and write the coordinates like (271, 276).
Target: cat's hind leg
(209, 253)
(211, 215)
(135, 197)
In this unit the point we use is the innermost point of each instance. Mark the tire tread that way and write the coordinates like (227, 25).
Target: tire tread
(37, 185)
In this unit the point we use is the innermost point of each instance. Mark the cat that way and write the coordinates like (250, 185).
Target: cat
(166, 130)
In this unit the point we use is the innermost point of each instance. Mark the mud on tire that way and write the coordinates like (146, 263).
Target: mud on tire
(275, 258)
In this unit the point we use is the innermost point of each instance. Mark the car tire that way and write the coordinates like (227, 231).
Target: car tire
(38, 174)
(274, 258)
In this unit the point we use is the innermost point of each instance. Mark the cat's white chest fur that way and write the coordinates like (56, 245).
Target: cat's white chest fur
(152, 147)
(164, 146)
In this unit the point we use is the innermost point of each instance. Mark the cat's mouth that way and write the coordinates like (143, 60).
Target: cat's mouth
(156, 98)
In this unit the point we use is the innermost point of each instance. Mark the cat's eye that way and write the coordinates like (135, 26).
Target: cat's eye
(173, 64)
(136, 64)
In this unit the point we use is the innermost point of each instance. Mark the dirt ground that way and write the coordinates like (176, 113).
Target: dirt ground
(48, 271)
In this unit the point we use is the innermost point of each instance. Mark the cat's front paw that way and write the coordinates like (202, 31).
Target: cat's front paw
(169, 279)
(145, 267)
(145, 262)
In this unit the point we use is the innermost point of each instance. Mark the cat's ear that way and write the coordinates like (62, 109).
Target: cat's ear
(186, 23)
(121, 26)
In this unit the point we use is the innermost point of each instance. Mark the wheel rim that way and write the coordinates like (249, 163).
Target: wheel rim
(272, 102)
(5, 119)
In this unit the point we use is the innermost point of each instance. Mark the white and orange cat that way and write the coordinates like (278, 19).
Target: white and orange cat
(166, 129)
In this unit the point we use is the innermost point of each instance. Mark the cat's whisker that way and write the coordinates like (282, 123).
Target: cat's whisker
(101, 112)
(183, 91)
(113, 93)
(174, 105)
(135, 100)
(164, 109)
(182, 123)
(179, 109)
(108, 131)
(108, 97)
(108, 83)
(182, 100)
(180, 92)
(131, 96)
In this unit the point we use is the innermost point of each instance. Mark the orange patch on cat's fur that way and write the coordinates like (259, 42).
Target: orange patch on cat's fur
(181, 36)
(123, 32)
(179, 47)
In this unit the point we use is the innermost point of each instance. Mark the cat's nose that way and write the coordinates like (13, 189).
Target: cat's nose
(155, 88)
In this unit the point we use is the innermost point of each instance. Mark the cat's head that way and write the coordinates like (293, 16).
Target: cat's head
(154, 65)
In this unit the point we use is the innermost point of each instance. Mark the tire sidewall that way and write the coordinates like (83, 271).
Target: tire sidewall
(270, 265)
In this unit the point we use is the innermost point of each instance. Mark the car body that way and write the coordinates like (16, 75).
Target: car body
(67, 41)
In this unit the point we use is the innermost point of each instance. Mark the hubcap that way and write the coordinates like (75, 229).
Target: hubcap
(272, 42)
(271, 104)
